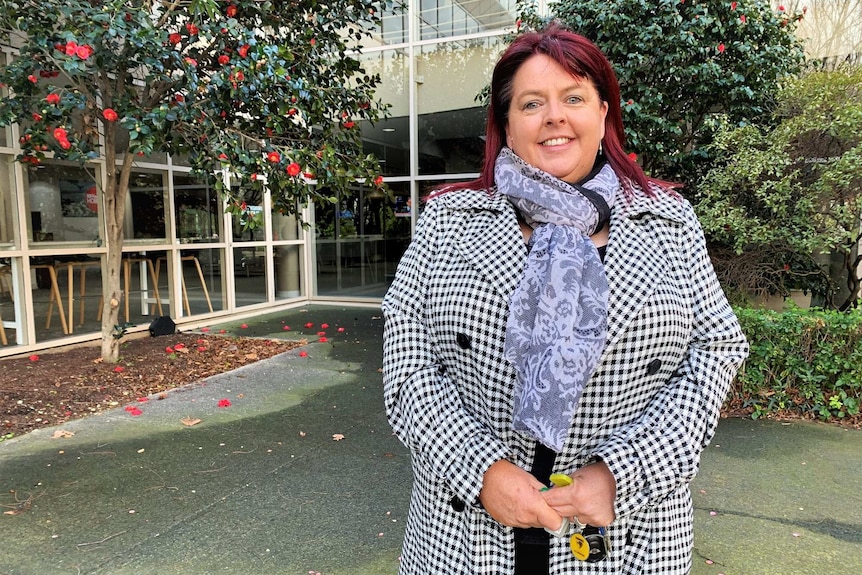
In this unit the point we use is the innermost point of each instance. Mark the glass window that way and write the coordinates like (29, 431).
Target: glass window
(249, 272)
(391, 30)
(451, 123)
(445, 18)
(201, 282)
(145, 207)
(359, 241)
(8, 215)
(67, 295)
(248, 224)
(63, 204)
(198, 210)
(288, 272)
(389, 139)
(11, 330)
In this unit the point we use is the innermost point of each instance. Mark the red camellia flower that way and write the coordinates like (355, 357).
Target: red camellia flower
(303, 354)
(324, 326)
(134, 411)
(109, 114)
(341, 330)
(174, 38)
(231, 11)
(322, 340)
(273, 157)
(293, 169)
(65, 144)
(71, 48)
(191, 62)
(633, 157)
(312, 41)
(32, 78)
(221, 157)
(378, 181)
(224, 402)
(37, 117)
(244, 326)
(34, 357)
(192, 28)
(349, 124)
(223, 59)
(243, 50)
(60, 133)
(84, 52)
(743, 18)
(733, 5)
(309, 325)
(721, 48)
(179, 98)
(169, 349)
(119, 369)
(53, 99)
(781, 8)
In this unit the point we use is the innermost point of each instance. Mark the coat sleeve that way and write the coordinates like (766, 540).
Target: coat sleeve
(423, 403)
(660, 451)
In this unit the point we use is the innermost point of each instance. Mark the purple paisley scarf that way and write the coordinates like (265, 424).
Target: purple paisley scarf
(557, 323)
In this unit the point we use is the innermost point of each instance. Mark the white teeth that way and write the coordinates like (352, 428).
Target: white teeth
(555, 142)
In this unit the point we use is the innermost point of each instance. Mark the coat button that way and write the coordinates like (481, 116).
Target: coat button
(463, 340)
(457, 503)
(653, 366)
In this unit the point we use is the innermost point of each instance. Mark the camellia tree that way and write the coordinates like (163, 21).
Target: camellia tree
(253, 93)
(681, 64)
(783, 195)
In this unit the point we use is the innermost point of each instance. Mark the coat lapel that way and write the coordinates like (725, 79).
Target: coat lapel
(491, 240)
(636, 261)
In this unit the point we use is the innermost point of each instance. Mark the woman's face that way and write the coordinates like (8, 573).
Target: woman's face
(556, 121)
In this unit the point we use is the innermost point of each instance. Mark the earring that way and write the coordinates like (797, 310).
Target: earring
(600, 148)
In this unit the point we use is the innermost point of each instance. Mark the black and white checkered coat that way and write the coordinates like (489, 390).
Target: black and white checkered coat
(673, 348)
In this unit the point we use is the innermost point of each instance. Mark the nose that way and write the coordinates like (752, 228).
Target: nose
(554, 114)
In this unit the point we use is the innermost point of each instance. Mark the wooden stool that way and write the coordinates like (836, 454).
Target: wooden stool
(127, 276)
(82, 289)
(55, 296)
(183, 280)
(3, 339)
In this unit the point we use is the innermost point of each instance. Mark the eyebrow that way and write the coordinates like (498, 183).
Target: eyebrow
(536, 92)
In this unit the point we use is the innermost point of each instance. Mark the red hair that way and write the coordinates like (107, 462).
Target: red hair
(582, 59)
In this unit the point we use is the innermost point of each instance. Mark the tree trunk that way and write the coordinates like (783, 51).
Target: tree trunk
(115, 192)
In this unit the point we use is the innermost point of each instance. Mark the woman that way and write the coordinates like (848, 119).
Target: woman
(557, 315)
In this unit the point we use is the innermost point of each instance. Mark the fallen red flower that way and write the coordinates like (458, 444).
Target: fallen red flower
(224, 403)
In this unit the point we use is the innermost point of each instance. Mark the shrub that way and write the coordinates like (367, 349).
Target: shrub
(803, 362)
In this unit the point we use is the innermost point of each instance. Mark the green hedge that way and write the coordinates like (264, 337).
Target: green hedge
(802, 362)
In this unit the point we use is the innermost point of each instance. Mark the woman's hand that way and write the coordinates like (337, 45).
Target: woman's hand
(590, 497)
(511, 496)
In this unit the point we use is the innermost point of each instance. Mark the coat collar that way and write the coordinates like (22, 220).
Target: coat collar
(636, 260)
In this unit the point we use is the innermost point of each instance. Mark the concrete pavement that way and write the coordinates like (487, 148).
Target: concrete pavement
(301, 474)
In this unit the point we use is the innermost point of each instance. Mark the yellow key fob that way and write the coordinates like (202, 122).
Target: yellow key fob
(561, 479)
(580, 547)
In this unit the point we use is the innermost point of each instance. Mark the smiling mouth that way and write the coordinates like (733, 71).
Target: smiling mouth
(556, 142)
